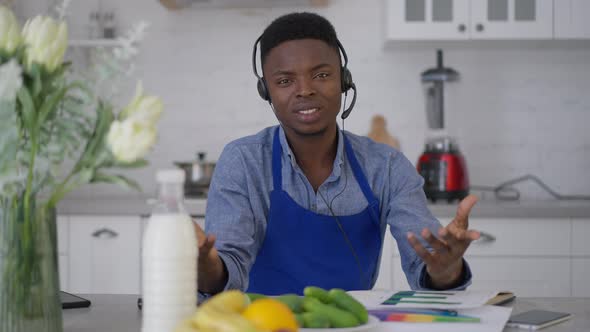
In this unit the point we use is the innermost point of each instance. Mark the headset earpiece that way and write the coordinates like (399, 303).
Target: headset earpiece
(262, 89)
(261, 83)
(346, 79)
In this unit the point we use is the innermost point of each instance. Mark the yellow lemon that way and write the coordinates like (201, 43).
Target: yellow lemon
(271, 315)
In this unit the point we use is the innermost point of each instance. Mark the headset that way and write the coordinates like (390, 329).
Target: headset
(346, 83)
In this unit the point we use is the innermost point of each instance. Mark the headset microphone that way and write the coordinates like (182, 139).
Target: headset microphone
(347, 111)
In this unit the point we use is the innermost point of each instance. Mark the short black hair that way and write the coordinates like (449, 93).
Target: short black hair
(296, 26)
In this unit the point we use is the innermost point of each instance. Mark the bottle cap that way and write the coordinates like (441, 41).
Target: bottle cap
(170, 176)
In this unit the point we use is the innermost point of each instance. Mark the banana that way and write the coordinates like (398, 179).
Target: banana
(232, 300)
(211, 317)
(186, 326)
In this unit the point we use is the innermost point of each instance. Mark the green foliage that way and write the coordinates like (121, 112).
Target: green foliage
(53, 129)
(51, 121)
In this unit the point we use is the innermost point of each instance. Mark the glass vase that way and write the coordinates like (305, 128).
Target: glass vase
(29, 277)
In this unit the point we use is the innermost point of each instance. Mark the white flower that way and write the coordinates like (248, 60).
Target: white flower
(46, 40)
(131, 139)
(143, 108)
(10, 37)
(10, 80)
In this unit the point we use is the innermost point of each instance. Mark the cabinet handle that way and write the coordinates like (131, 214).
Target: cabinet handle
(107, 232)
(461, 27)
(485, 238)
(479, 27)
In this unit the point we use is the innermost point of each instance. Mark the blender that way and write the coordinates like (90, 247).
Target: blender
(442, 165)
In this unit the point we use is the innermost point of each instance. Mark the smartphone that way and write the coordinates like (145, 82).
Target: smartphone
(69, 301)
(537, 319)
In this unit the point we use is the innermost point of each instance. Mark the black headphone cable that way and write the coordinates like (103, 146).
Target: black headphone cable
(343, 109)
(346, 239)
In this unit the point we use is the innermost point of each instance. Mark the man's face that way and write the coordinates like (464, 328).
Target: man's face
(303, 78)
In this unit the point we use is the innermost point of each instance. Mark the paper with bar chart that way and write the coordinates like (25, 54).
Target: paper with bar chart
(428, 299)
(438, 299)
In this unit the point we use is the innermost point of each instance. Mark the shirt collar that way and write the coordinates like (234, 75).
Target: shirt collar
(290, 156)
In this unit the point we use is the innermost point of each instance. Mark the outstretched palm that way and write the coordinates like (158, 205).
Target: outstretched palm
(444, 262)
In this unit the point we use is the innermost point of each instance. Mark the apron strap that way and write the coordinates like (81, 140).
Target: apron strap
(277, 152)
(358, 172)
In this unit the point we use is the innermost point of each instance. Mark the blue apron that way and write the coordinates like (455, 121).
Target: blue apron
(302, 248)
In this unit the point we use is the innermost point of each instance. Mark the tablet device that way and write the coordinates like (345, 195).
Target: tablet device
(69, 301)
(537, 319)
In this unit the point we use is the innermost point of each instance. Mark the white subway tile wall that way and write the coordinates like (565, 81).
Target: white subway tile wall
(518, 108)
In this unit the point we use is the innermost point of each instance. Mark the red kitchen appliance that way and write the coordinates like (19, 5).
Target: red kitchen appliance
(444, 170)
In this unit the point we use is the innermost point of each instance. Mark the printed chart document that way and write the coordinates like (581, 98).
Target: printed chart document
(492, 319)
(464, 303)
(424, 299)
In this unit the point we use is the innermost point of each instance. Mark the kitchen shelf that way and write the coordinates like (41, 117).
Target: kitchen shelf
(94, 43)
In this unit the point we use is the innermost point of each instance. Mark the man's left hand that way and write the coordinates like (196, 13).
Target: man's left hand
(444, 263)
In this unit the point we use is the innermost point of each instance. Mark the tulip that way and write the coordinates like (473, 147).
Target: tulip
(131, 139)
(143, 108)
(46, 40)
(10, 37)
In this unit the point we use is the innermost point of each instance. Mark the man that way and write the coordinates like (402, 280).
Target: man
(304, 203)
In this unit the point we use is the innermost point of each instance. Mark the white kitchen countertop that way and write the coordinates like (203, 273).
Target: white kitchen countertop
(120, 206)
(518, 209)
(483, 209)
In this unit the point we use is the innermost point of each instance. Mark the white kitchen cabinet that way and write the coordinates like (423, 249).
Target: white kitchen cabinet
(571, 19)
(427, 19)
(468, 19)
(64, 270)
(580, 234)
(104, 254)
(62, 234)
(385, 281)
(62, 250)
(525, 276)
(507, 237)
(581, 258)
(531, 257)
(511, 19)
(581, 277)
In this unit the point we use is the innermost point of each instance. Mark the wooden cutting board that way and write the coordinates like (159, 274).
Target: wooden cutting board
(379, 133)
(175, 4)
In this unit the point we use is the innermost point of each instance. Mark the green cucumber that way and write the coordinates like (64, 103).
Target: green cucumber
(318, 293)
(344, 301)
(336, 316)
(300, 321)
(293, 301)
(315, 320)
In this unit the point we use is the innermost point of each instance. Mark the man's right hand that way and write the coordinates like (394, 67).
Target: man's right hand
(212, 273)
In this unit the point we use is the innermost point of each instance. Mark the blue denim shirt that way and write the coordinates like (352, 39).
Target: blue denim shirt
(239, 201)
